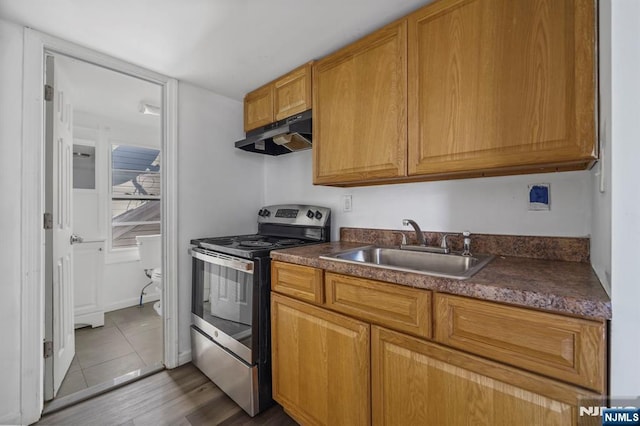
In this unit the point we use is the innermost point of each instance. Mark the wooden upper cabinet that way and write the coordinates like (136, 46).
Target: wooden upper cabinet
(501, 85)
(359, 109)
(281, 98)
(292, 92)
(258, 108)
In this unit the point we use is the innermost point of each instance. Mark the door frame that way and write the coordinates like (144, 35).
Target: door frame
(32, 206)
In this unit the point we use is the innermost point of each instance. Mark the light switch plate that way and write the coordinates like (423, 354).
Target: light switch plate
(539, 197)
(346, 203)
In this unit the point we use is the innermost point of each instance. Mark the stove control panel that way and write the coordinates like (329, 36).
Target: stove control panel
(295, 214)
(287, 213)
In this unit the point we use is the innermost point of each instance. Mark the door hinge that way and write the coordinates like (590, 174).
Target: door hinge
(48, 92)
(47, 221)
(48, 348)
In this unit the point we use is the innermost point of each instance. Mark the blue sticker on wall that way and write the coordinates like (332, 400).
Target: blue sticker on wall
(539, 196)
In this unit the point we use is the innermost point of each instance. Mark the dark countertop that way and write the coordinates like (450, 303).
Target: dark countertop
(557, 286)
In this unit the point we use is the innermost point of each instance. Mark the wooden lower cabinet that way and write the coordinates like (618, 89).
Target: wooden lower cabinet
(321, 364)
(415, 382)
(561, 347)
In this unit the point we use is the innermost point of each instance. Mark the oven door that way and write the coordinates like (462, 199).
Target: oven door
(224, 294)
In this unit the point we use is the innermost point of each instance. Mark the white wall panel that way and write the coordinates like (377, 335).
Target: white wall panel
(601, 173)
(485, 205)
(10, 218)
(625, 211)
(220, 188)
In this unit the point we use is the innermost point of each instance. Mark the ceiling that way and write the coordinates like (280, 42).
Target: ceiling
(227, 46)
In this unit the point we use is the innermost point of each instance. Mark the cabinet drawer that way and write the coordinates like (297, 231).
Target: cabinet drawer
(301, 282)
(400, 308)
(565, 348)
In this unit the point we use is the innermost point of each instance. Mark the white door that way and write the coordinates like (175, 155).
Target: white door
(60, 173)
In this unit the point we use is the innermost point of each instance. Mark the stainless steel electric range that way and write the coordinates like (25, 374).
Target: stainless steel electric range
(230, 309)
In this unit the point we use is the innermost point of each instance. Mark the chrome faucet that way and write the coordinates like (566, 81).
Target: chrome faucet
(444, 243)
(419, 234)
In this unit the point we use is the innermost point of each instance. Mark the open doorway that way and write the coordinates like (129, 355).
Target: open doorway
(103, 254)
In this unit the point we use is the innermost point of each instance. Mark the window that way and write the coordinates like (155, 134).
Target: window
(135, 194)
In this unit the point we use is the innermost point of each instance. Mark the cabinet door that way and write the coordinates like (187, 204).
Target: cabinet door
(292, 92)
(359, 110)
(419, 383)
(501, 85)
(320, 364)
(258, 108)
(87, 283)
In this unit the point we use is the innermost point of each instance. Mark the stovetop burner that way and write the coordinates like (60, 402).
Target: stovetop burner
(249, 246)
(255, 244)
(288, 242)
(222, 241)
(279, 226)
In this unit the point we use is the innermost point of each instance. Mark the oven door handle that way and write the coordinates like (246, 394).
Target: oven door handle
(220, 259)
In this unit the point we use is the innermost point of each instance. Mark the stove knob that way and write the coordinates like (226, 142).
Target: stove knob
(261, 213)
(266, 213)
(318, 215)
(310, 214)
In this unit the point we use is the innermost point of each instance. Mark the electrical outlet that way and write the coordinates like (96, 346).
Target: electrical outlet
(346, 203)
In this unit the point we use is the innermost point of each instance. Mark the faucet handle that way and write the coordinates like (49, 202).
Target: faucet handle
(444, 244)
(403, 242)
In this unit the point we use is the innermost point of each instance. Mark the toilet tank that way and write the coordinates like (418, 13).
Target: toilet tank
(150, 249)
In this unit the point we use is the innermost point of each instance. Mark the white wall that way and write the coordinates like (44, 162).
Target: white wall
(601, 174)
(219, 186)
(10, 148)
(485, 205)
(625, 216)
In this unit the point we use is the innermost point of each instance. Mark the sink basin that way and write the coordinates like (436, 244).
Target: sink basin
(451, 265)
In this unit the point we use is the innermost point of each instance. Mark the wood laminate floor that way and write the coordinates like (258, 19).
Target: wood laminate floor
(181, 397)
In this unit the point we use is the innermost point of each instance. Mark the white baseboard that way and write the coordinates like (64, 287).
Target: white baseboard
(184, 357)
(150, 297)
(94, 319)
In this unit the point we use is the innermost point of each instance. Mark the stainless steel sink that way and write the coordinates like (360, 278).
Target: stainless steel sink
(451, 265)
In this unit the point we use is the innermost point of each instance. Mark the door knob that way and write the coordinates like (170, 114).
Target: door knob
(75, 239)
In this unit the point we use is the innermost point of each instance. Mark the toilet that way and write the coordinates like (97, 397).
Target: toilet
(150, 249)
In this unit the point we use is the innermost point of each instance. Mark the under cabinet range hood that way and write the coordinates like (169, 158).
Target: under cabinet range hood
(282, 137)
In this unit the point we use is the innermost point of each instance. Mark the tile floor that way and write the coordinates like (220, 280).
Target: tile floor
(130, 339)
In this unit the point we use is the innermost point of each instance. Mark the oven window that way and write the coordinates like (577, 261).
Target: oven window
(227, 301)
